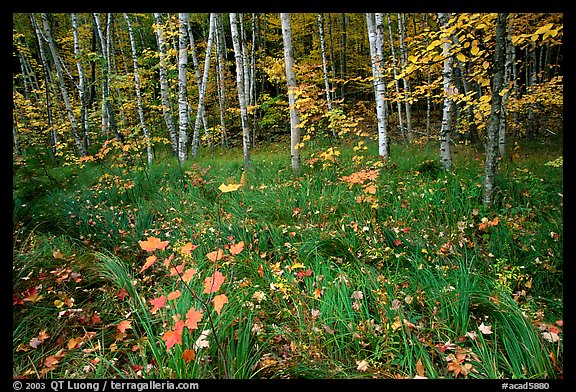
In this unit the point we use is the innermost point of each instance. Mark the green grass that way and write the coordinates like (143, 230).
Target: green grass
(326, 287)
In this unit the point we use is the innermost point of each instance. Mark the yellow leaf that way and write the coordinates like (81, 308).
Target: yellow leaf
(229, 188)
(460, 56)
(219, 301)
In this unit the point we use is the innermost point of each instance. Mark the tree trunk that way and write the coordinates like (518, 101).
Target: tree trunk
(448, 86)
(241, 91)
(291, 83)
(396, 85)
(182, 87)
(62, 82)
(81, 83)
(220, 64)
(200, 113)
(138, 92)
(325, 68)
(508, 81)
(374, 24)
(491, 164)
(404, 61)
(166, 106)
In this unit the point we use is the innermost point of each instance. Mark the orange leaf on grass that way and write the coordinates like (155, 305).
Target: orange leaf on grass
(219, 301)
(188, 274)
(150, 260)
(174, 295)
(212, 283)
(237, 248)
(168, 260)
(172, 337)
(193, 316)
(186, 249)
(153, 243)
(188, 355)
(157, 303)
(124, 325)
(178, 269)
(215, 255)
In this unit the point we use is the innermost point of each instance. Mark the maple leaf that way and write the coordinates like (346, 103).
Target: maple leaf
(178, 269)
(172, 337)
(153, 243)
(215, 255)
(193, 316)
(157, 303)
(362, 365)
(420, 368)
(34, 342)
(219, 301)
(237, 248)
(150, 260)
(212, 283)
(188, 274)
(174, 295)
(188, 355)
(122, 294)
(168, 260)
(357, 295)
(188, 248)
(124, 325)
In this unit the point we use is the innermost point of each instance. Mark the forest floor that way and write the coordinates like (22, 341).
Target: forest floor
(356, 268)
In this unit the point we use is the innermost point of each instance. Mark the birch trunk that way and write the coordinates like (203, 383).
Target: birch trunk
(396, 84)
(241, 91)
(138, 92)
(491, 164)
(404, 61)
(81, 83)
(62, 82)
(202, 93)
(325, 67)
(182, 90)
(166, 106)
(291, 84)
(447, 83)
(374, 24)
(508, 81)
(220, 64)
(196, 70)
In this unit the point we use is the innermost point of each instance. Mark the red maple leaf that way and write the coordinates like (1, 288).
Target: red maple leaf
(172, 337)
(193, 316)
(237, 248)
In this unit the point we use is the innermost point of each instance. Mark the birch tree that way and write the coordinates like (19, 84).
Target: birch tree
(325, 67)
(241, 91)
(220, 43)
(448, 87)
(291, 84)
(202, 92)
(375, 26)
(404, 62)
(138, 91)
(60, 76)
(182, 87)
(491, 164)
(166, 106)
(81, 86)
(396, 84)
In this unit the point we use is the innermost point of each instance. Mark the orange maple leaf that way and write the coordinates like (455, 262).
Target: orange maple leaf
(188, 274)
(193, 316)
(219, 301)
(157, 303)
(153, 243)
(215, 255)
(188, 355)
(186, 249)
(178, 269)
(174, 295)
(124, 325)
(172, 337)
(237, 248)
(212, 283)
(150, 260)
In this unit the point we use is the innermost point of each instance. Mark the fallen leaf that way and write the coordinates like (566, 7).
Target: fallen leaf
(172, 337)
(157, 303)
(362, 365)
(551, 336)
(212, 283)
(219, 302)
(150, 260)
(124, 325)
(188, 274)
(237, 248)
(188, 355)
(153, 243)
(174, 295)
(229, 188)
(485, 329)
(202, 341)
(215, 255)
(122, 294)
(193, 316)
(419, 368)
(188, 248)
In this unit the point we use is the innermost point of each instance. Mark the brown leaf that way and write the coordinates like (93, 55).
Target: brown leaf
(420, 368)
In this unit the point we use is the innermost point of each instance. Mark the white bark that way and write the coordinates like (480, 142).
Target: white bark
(182, 87)
(202, 93)
(291, 84)
(325, 67)
(138, 92)
(404, 61)
(166, 106)
(374, 23)
(241, 91)
(448, 109)
(81, 83)
(396, 84)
